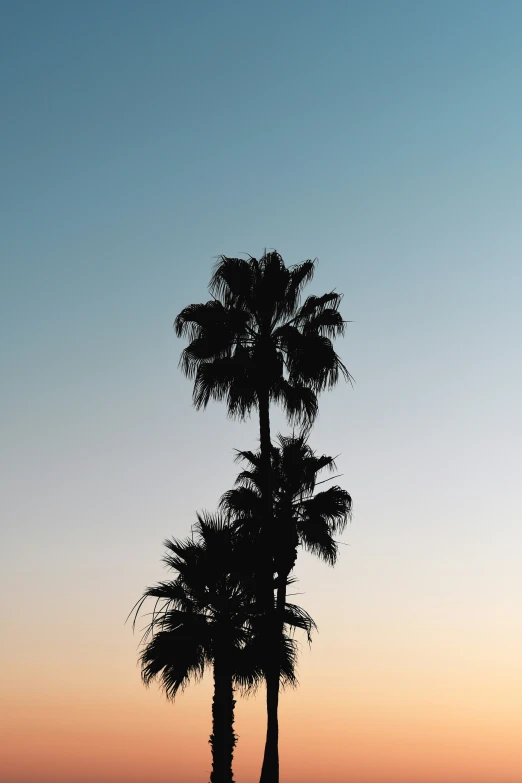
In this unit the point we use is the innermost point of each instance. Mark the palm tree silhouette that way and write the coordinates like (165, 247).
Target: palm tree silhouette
(252, 344)
(302, 516)
(208, 616)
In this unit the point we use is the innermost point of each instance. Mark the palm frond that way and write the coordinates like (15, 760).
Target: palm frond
(288, 662)
(297, 617)
(173, 658)
(226, 379)
(299, 400)
(252, 479)
(271, 289)
(168, 591)
(315, 363)
(332, 506)
(328, 322)
(316, 538)
(300, 275)
(314, 305)
(249, 456)
(204, 348)
(211, 529)
(243, 502)
(197, 317)
(248, 666)
(231, 281)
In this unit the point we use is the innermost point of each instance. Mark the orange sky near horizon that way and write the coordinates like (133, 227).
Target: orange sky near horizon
(356, 741)
(413, 677)
(408, 710)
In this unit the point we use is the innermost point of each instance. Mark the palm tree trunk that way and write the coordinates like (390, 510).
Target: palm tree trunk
(222, 739)
(270, 768)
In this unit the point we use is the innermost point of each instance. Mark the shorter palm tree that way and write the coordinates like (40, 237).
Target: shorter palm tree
(208, 616)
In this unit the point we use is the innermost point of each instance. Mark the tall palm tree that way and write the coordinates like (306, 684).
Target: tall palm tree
(252, 344)
(208, 616)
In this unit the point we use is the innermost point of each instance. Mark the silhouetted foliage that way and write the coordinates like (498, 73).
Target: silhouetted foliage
(252, 344)
(302, 516)
(253, 336)
(208, 615)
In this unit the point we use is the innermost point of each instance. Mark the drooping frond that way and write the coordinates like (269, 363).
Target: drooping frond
(288, 662)
(173, 657)
(299, 275)
(206, 348)
(328, 323)
(181, 556)
(315, 363)
(317, 464)
(298, 465)
(317, 539)
(228, 379)
(252, 479)
(167, 595)
(172, 593)
(314, 305)
(231, 282)
(203, 317)
(196, 317)
(298, 400)
(243, 502)
(271, 289)
(333, 506)
(213, 331)
(297, 617)
(249, 666)
(249, 456)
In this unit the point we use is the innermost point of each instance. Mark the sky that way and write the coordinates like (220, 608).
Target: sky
(138, 142)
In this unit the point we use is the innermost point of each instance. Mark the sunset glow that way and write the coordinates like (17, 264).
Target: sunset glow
(142, 140)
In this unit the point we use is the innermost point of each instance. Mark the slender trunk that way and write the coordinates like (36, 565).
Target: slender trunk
(270, 768)
(222, 739)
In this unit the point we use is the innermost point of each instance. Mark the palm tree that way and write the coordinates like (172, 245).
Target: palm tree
(252, 344)
(208, 616)
(302, 516)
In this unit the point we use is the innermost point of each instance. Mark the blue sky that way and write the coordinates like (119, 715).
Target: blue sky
(142, 140)
(139, 141)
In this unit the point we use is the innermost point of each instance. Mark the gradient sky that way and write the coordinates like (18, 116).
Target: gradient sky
(140, 140)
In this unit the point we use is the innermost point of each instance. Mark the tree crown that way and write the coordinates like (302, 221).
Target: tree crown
(254, 335)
